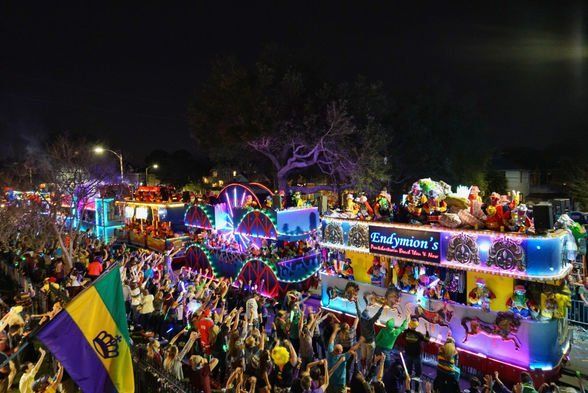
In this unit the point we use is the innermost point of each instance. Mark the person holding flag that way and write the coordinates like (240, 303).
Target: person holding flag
(90, 337)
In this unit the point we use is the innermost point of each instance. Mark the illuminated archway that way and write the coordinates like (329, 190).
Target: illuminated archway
(197, 217)
(261, 276)
(198, 258)
(257, 224)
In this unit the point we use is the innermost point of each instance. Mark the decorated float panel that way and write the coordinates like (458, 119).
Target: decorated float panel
(500, 295)
(155, 225)
(201, 216)
(244, 237)
(270, 278)
(502, 336)
(542, 257)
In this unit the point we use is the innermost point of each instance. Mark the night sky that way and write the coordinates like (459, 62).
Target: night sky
(125, 74)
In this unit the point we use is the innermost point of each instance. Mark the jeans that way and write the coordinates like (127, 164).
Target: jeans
(414, 363)
(390, 356)
(367, 354)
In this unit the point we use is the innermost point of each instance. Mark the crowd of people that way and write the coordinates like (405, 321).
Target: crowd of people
(221, 334)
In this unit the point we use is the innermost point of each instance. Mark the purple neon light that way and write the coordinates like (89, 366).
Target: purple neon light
(230, 207)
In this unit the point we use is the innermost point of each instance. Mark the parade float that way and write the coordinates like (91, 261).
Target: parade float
(249, 234)
(101, 216)
(153, 218)
(472, 270)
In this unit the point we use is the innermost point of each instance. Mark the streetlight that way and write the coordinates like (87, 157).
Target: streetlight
(100, 150)
(154, 166)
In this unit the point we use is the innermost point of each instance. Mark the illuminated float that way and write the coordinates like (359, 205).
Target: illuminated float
(499, 293)
(153, 218)
(243, 236)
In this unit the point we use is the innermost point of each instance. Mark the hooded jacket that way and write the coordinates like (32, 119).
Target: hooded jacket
(388, 335)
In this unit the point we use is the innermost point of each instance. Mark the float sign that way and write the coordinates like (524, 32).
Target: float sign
(405, 243)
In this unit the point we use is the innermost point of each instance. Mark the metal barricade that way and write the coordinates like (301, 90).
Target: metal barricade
(578, 313)
(151, 378)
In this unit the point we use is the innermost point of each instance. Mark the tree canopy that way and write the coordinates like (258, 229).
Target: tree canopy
(292, 121)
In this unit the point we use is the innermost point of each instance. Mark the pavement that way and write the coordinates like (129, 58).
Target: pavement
(578, 359)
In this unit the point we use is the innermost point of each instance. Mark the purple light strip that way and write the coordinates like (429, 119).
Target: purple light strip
(229, 203)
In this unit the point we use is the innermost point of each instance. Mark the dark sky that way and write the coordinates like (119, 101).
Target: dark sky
(125, 73)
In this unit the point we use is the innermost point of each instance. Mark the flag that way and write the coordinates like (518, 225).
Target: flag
(90, 338)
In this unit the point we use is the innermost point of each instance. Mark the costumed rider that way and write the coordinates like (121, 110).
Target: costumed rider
(434, 206)
(415, 200)
(250, 203)
(365, 210)
(268, 203)
(576, 242)
(351, 208)
(297, 200)
(481, 295)
(519, 304)
(383, 206)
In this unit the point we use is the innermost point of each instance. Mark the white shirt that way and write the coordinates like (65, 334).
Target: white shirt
(135, 296)
(25, 385)
(147, 304)
(251, 310)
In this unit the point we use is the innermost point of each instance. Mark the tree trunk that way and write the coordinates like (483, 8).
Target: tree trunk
(282, 182)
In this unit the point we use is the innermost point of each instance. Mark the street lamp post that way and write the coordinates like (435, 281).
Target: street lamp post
(154, 166)
(100, 150)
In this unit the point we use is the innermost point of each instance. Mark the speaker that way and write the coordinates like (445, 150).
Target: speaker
(543, 217)
(277, 201)
(323, 204)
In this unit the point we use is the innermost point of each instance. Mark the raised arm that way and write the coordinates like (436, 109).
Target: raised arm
(334, 335)
(58, 376)
(175, 338)
(325, 385)
(293, 356)
(378, 313)
(39, 362)
(188, 346)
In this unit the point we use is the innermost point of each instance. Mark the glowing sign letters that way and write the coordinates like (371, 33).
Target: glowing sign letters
(405, 243)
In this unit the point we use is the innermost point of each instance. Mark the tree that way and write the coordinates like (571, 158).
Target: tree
(292, 118)
(440, 136)
(578, 185)
(54, 216)
(74, 181)
(495, 182)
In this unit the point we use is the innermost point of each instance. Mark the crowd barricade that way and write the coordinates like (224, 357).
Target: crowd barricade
(152, 378)
(578, 313)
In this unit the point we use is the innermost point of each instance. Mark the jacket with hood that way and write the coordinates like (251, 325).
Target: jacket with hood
(388, 335)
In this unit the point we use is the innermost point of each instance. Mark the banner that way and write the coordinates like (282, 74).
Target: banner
(405, 243)
(90, 338)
